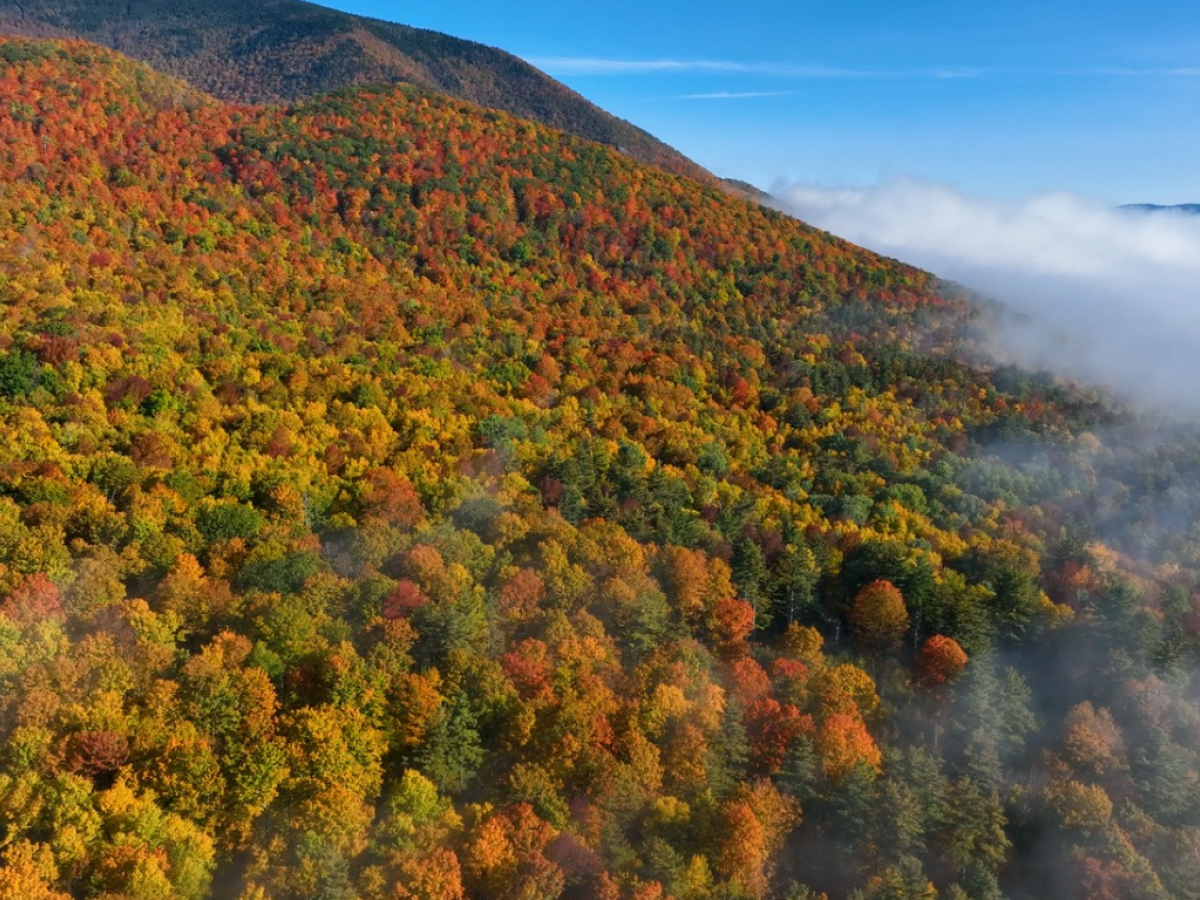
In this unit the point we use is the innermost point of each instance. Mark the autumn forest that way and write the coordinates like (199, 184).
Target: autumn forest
(400, 500)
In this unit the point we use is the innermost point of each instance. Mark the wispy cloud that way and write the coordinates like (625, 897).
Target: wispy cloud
(1121, 72)
(958, 72)
(590, 65)
(736, 95)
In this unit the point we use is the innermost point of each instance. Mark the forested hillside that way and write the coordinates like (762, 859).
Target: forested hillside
(399, 499)
(285, 50)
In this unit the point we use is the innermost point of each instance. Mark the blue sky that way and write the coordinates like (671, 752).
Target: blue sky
(1002, 99)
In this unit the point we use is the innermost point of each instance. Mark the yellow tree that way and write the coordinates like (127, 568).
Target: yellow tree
(878, 616)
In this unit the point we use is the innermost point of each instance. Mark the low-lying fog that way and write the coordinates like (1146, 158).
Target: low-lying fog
(1110, 296)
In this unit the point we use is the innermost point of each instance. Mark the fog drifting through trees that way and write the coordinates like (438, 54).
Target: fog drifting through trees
(1108, 295)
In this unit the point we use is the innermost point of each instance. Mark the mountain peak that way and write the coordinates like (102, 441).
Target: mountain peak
(285, 50)
(1191, 209)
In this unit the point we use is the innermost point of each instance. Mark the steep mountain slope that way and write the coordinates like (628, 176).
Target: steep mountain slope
(287, 49)
(403, 500)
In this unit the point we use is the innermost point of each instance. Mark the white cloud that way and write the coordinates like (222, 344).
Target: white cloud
(736, 95)
(586, 65)
(1112, 296)
(593, 65)
(1117, 72)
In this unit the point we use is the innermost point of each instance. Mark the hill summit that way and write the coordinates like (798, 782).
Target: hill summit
(285, 50)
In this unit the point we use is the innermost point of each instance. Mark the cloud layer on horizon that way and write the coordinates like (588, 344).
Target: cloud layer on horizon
(1111, 296)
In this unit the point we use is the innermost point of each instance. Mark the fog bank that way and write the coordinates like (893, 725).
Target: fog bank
(1111, 296)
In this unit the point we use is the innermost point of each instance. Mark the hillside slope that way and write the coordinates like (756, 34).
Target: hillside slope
(399, 499)
(284, 50)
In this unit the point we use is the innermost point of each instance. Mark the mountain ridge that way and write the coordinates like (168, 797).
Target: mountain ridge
(1191, 209)
(285, 50)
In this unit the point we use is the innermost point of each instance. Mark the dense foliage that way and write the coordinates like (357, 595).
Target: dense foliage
(402, 500)
(284, 50)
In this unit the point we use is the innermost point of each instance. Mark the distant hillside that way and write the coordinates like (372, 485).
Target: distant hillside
(745, 190)
(1192, 209)
(282, 50)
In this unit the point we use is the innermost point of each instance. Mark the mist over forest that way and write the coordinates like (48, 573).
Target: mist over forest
(1110, 296)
